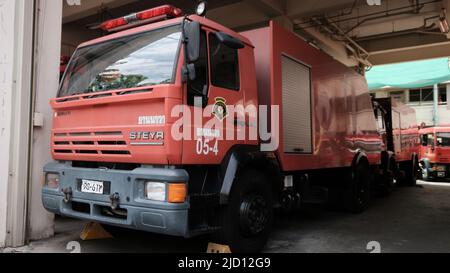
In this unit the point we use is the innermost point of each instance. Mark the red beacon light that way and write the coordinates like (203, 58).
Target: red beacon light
(143, 17)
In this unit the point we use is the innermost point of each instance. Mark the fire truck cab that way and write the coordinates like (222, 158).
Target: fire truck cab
(435, 153)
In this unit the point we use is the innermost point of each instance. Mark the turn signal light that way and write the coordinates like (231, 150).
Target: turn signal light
(177, 193)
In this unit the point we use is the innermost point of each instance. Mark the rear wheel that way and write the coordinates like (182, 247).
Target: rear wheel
(387, 179)
(358, 190)
(411, 171)
(246, 221)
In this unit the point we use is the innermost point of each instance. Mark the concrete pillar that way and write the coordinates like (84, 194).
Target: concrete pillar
(48, 50)
(6, 76)
(16, 31)
(436, 105)
(448, 95)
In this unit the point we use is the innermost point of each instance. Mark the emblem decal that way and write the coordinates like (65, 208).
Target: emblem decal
(220, 109)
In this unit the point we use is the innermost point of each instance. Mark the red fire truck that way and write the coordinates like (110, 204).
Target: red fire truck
(400, 133)
(118, 161)
(435, 153)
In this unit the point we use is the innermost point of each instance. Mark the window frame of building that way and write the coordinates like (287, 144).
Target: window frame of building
(425, 95)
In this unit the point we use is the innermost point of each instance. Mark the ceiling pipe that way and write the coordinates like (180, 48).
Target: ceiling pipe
(412, 9)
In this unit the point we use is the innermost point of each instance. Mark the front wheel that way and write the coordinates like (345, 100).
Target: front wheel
(246, 222)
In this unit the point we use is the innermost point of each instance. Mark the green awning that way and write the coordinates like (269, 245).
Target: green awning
(409, 75)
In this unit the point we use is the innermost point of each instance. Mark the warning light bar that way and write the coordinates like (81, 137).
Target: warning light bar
(143, 17)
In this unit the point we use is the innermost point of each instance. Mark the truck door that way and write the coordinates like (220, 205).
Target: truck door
(223, 80)
(430, 146)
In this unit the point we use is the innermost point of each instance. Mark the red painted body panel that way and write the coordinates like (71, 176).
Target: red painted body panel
(343, 118)
(107, 120)
(439, 154)
(405, 131)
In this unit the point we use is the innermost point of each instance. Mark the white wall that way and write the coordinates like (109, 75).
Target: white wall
(425, 114)
(20, 96)
(6, 76)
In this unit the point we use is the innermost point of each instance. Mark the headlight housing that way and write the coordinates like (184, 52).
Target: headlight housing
(52, 180)
(155, 191)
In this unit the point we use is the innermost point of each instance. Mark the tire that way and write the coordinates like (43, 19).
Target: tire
(246, 222)
(358, 190)
(411, 170)
(386, 182)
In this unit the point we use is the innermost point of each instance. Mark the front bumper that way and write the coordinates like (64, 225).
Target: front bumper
(432, 174)
(140, 213)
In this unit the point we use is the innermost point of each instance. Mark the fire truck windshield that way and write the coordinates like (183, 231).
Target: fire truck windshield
(443, 139)
(140, 60)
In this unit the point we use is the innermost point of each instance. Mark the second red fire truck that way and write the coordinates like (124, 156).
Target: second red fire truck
(435, 153)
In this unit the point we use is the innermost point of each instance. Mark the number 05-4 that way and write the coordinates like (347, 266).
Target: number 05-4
(204, 147)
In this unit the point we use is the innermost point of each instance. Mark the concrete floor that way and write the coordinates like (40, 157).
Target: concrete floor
(411, 220)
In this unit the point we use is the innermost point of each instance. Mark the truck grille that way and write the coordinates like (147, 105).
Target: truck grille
(90, 143)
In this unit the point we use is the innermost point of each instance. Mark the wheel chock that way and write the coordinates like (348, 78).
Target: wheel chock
(218, 249)
(94, 231)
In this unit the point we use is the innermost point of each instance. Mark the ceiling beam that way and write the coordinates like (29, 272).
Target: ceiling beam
(410, 54)
(300, 9)
(333, 48)
(271, 8)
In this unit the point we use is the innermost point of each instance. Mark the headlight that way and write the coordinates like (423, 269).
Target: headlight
(155, 191)
(441, 168)
(52, 180)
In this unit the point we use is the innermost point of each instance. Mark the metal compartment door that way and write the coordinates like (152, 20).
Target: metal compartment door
(297, 120)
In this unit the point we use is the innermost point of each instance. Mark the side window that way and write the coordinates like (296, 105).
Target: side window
(424, 140)
(224, 65)
(201, 71)
(430, 139)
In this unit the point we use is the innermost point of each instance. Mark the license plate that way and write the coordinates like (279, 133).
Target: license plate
(441, 174)
(89, 186)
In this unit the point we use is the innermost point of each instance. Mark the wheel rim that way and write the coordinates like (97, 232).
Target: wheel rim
(254, 215)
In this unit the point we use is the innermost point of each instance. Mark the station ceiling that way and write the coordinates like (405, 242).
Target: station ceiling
(352, 31)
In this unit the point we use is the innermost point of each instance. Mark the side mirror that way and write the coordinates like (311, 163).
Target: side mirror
(192, 36)
(229, 41)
